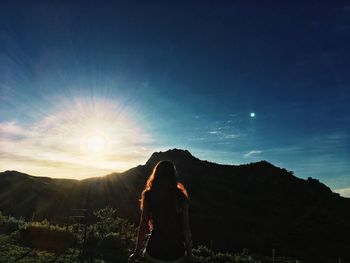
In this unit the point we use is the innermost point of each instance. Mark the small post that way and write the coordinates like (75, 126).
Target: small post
(339, 259)
(273, 255)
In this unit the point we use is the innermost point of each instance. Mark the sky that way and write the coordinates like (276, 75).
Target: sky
(93, 87)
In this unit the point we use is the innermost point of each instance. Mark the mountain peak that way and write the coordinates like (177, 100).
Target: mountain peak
(172, 155)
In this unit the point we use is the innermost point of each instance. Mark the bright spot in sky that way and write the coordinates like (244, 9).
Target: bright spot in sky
(96, 143)
(252, 114)
(78, 137)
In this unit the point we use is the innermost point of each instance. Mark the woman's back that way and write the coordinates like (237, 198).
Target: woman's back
(166, 240)
(164, 206)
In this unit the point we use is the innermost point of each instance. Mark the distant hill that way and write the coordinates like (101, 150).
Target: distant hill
(256, 206)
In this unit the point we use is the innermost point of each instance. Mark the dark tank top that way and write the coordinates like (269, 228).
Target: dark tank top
(166, 241)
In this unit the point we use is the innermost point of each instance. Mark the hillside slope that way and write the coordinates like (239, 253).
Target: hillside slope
(256, 206)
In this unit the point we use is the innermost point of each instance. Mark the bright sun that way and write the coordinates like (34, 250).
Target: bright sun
(96, 143)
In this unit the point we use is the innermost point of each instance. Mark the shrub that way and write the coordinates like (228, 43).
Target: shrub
(223, 258)
(45, 238)
(202, 254)
(108, 222)
(9, 224)
(110, 238)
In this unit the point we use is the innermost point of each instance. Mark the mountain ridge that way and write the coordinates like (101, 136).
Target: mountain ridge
(155, 157)
(256, 206)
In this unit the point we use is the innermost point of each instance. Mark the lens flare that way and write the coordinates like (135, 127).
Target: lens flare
(78, 137)
(96, 143)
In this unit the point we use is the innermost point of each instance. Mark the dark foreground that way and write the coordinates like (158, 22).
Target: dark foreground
(109, 239)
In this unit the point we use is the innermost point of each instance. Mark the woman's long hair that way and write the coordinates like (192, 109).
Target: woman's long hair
(163, 180)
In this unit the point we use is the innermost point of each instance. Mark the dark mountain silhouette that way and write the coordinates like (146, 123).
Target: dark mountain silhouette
(256, 206)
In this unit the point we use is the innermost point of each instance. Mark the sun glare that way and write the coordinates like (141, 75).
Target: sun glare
(96, 143)
(79, 137)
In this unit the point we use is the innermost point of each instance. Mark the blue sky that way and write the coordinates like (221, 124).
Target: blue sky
(136, 78)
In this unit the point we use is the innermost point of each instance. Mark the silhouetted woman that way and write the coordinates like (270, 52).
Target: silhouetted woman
(164, 206)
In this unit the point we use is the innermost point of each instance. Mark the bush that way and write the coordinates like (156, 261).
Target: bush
(203, 254)
(111, 238)
(41, 237)
(223, 258)
(9, 224)
(108, 222)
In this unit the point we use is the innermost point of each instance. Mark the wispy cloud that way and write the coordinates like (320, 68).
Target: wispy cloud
(11, 128)
(252, 153)
(225, 132)
(232, 136)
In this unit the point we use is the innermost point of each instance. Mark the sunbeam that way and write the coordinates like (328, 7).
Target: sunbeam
(77, 139)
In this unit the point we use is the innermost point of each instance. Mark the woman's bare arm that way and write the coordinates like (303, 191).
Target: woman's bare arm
(187, 231)
(143, 228)
(141, 233)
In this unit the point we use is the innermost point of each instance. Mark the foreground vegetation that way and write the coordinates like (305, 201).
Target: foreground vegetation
(109, 239)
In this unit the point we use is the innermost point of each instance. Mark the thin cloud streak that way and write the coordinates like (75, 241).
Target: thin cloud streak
(252, 153)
